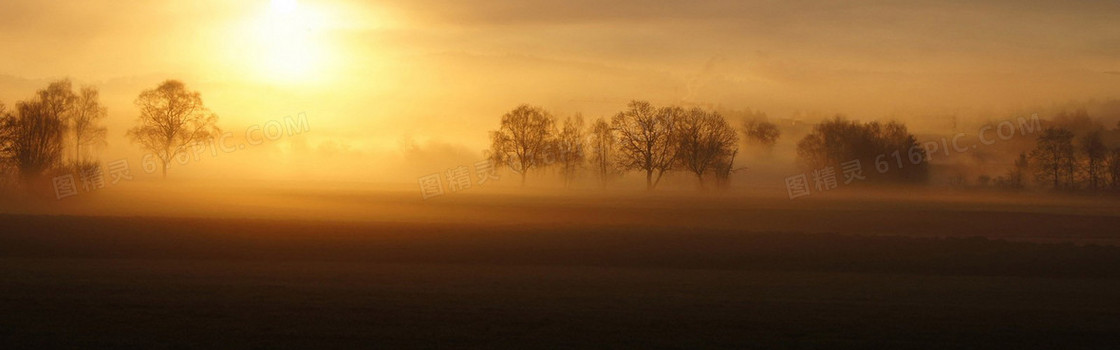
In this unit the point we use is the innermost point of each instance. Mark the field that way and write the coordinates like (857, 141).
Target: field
(330, 268)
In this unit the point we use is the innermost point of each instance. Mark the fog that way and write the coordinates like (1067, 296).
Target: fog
(412, 173)
(394, 90)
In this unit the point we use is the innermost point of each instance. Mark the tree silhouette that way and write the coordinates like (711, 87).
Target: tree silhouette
(1019, 171)
(1096, 154)
(894, 152)
(7, 133)
(895, 137)
(569, 148)
(1053, 157)
(1114, 168)
(33, 136)
(761, 132)
(171, 120)
(704, 141)
(85, 121)
(647, 139)
(603, 153)
(724, 167)
(835, 141)
(57, 100)
(523, 139)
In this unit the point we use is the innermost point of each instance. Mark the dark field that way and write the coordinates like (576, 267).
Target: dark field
(564, 272)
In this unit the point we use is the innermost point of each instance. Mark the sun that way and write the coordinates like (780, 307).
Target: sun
(288, 43)
(283, 6)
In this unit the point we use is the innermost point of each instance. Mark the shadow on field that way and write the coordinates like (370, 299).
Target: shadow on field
(605, 246)
(81, 282)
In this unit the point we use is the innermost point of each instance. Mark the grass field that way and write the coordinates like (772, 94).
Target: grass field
(561, 271)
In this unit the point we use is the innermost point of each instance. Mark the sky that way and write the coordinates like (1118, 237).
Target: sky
(392, 89)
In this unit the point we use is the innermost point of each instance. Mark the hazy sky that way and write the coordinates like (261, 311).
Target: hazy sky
(382, 81)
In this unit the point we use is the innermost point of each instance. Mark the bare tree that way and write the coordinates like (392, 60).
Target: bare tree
(761, 132)
(1016, 176)
(172, 119)
(523, 139)
(1053, 157)
(1114, 168)
(838, 140)
(1019, 172)
(33, 138)
(704, 141)
(57, 100)
(6, 137)
(85, 122)
(569, 148)
(724, 168)
(603, 153)
(4, 131)
(647, 139)
(1096, 154)
(835, 141)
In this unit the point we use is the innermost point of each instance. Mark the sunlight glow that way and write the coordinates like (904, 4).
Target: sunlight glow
(283, 6)
(288, 43)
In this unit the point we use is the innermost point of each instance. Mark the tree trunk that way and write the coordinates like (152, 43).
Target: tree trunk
(1070, 171)
(77, 148)
(1057, 178)
(1092, 173)
(649, 180)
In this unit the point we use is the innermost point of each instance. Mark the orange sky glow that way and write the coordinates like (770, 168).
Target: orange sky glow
(395, 88)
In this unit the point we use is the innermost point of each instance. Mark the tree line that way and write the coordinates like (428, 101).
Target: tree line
(655, 140)
(1071, 154)
(35, 135)
(646, 138)
(60, 128)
